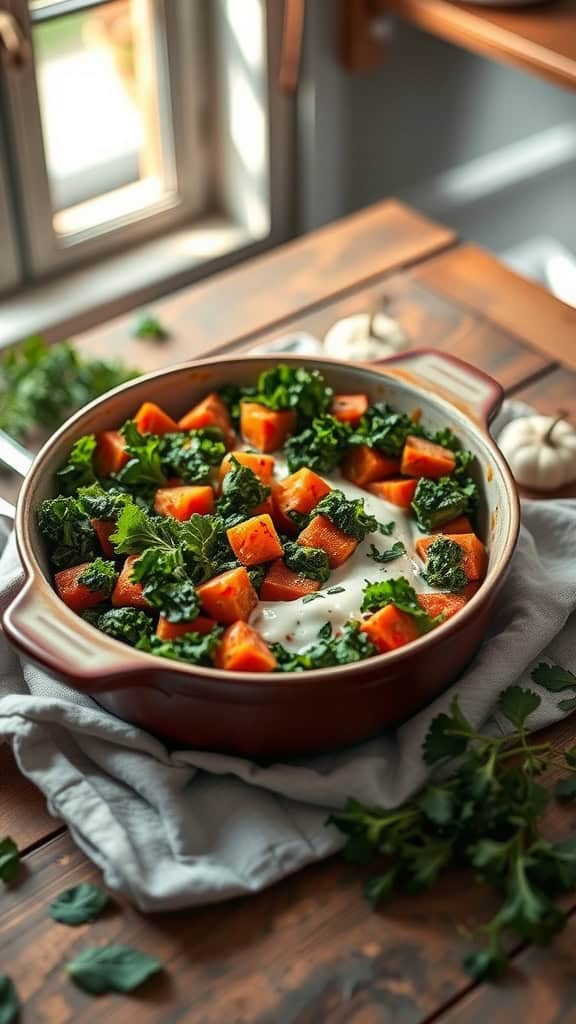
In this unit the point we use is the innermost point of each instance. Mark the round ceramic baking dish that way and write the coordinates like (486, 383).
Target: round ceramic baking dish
(266, 715)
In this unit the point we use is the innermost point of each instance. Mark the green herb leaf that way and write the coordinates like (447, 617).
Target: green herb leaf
(336, 590)
(309, 562)
(191, 455)
(9, 1002)
(312, 597)
(553, 677)
(389, 555)
(400, 593)
(349, 645)
(448, 735)
(242, 493)
(486, 964)
(516, 704)
(436, 502)
(285, 387)
(567, 705)
(349, 515)
(167, 585)
(126, 624)
(144, 468)
(98, 503)
(113, 968)
(444, 565)
(191, 647)
(68, 532)
(148, 327)
(99, 575)
(438, 804)
(320, 446)
(386, 529)
(79, 904)
(79, 468)
(9, 859)
(385, 429)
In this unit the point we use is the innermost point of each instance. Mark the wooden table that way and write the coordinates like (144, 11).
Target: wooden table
(310, 950)
(540, 38)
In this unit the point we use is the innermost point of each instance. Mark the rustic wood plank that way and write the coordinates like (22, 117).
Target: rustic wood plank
(474, 278)
(265, 291)
(23, 811)
(539, 39)
(307, 950)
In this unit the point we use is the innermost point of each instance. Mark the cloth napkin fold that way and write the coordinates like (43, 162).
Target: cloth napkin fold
(179, 828)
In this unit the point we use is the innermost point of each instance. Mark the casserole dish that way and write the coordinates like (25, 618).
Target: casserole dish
(266, 714)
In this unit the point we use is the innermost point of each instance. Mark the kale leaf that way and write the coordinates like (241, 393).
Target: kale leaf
(436, 502)
(191, 545)
(192, 647)
(167, 585)
(309, 562)
(99, 575)
(192, 454)
(144, 467)
(78, 470)
(148, 327)
(444, 565)
(242, 492)
(67, 531)
(348, 514)
(99, 503)
(389, 555)
(126, 624)
(347, 646)
(400, 593)
(286, 387)
(320, 446)
(385, 429)
(232, 395)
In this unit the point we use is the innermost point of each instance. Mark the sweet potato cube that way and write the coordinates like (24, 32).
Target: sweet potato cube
(441, 604)
(242, 649)
(265, 429)
(183, 502)
(151, 419)
(398, 492)
(76, 595)
(299, 492)
(110, 454)
(474, 557)
(459, 525)
(425, 458)
(322, 533)
(229, 596)
(170, 630)
(281, 584)
(261, 465)
(390, 628)
(210, 412)
(349, 408)
(255, 540)
(363, 464)
(127, 593)
(104, 528)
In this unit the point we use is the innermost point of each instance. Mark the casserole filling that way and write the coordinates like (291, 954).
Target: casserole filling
(277, 527)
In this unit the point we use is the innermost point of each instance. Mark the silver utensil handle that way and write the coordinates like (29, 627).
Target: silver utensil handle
(14, 456)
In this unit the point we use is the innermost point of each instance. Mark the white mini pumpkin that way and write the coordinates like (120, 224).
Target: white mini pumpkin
(541, 451)
(362, 337)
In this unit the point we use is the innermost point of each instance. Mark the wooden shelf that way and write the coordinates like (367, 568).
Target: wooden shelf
(541, 38)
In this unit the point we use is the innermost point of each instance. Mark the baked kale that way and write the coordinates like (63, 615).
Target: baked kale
(436, 502)
(191, 545)
(99, 575)
(242, 493)
(232, 395)
(192, 454)
(286, 387)
(126, 624)
(144, 467)
(347, 646)
(348, 514)
(191, 648)
(321, 446)
(309, 562)
(99, 503)
(388, 555)
(444, 565)
(401, 594)
(67, 531)
(167, 585)
(385, 429)
(78, 470)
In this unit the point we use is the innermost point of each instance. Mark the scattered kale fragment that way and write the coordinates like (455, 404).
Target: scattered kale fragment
(444, 565)
(99, 575)
(310, 562)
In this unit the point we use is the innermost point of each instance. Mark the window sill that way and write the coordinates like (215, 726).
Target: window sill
(87, 297)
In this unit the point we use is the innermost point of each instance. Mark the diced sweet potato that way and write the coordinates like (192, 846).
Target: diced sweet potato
(151, 419)
(363, 464)
(229, 596)
(255, 540)
(170, 630)
(425, 458)
(261, 465)
(321, 533)
(76, 595)
(110, 453)
(299, 492)
(103, 528)
(183, 502)
(349, 408)
(210, 412)
(242, 649)
(474, 557)
(398, 492)
(127, 593)
(265, 508)
(265, 429)
(281, 584)
(459, 525)
(441, 604)
(390, 628)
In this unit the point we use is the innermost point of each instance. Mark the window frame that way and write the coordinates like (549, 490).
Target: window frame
(180, 27)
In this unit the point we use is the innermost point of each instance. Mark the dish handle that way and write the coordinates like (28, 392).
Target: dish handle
(471, 390)
(65, 648)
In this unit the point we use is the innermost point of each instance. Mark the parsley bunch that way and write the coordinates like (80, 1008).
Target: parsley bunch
(485, 812)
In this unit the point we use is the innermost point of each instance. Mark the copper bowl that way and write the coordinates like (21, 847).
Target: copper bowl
(268, 714)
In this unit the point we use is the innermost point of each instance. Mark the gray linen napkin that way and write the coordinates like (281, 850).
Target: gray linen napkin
(175, 829)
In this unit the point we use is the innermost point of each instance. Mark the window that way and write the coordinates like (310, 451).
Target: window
(129, 121)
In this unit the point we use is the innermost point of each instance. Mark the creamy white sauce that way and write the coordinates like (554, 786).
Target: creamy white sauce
(295, 623)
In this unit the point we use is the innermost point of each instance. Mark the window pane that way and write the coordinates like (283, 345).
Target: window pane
(100, 91)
